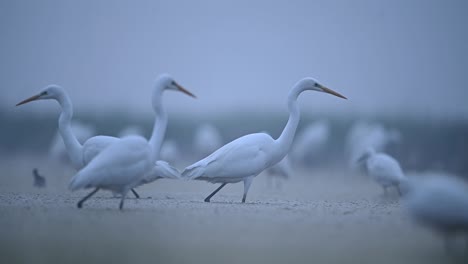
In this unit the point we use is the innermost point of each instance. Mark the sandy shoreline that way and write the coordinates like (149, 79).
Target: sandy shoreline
(322, 216)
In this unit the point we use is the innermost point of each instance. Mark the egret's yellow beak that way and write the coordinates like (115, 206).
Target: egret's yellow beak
(330, 91)
(32, 98)
(185, 91)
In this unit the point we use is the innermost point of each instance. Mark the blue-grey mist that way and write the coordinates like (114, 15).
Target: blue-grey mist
(396, 61)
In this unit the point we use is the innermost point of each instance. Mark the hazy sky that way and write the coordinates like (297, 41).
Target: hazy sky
(385, 56)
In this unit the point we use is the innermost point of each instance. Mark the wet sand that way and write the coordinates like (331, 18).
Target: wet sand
(318, 216)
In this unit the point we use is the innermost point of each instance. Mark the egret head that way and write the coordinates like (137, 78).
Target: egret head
(311, 84)
(50, 92)
(166, 82)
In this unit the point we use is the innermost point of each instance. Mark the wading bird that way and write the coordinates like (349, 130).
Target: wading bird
(118, 168)
(129, 163)
(384, 169)
(440, 203)
(80, 155)
(247, 156)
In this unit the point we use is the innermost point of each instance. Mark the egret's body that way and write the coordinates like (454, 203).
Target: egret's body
(118, 168)
(310, 142)
(247, 156)
(206, 140)
(384, 169)
(440, 203)
(81, 155)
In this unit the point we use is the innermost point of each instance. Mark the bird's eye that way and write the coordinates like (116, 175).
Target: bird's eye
(44, 93)
(173, 83)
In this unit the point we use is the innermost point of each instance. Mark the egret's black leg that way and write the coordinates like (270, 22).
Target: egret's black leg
(80, 203)
(207, 199)
(247, 183)
(136, 194)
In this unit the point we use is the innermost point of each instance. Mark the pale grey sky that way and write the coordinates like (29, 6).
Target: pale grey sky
(385, 56)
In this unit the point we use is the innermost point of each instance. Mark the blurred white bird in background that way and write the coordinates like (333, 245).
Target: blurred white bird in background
(310, 142)
(57, 150)
(384, 169)
(280, 171)
(247, 156)
(364, 135)
(170, 152)
(207, 139)
(439, 203)
(126, 162)
(80, 155)
(131, 131)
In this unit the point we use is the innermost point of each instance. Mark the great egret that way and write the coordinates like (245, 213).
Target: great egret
(81, 155)
(310, 142)
(206, 140)
(247, 156)
(118, 168)
(92, 177)
(384, 169)
(440, 203)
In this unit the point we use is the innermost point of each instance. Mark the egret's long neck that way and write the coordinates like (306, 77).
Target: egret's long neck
(160, 124)
(287, 136)
(72, 144)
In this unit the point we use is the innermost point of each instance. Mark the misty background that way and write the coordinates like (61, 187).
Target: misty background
(401, 63)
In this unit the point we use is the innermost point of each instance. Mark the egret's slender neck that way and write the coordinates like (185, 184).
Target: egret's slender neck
(72, 144)
(287, 136)
(160, 124)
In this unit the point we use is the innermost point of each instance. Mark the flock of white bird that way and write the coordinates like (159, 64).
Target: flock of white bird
(121, 164)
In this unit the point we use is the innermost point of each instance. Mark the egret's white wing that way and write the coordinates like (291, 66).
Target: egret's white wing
(122, 163)
(93, 146)
(242, 157)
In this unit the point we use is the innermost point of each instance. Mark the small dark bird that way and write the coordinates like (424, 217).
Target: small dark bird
(39, 181)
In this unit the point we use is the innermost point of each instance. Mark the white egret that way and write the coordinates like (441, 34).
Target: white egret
(206, 140)
(384, 169)
(118, 168)
(310, 142)
(81, 155)
(440, 203)
(92, 177)
(247, 156)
